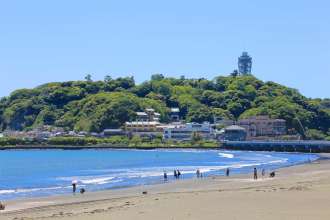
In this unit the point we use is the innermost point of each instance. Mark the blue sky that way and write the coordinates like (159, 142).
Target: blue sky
(43, 41)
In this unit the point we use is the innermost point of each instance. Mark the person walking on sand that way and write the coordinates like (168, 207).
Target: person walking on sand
(2, 206)
(255, 174)
(227, 172)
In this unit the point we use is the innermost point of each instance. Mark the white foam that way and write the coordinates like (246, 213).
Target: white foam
(9, 191)
(226, 155)
(99, 181)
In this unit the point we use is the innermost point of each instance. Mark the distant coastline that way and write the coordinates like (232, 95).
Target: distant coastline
(69, 147)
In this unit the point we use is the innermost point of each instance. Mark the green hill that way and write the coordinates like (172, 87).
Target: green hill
(96, 105)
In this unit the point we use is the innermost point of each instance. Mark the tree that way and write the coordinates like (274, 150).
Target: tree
(157, 77)
(234, 73)
(88, 78)
(313, 134)
(196, 137)
(107, 78)
(199, 114)
(136, 140)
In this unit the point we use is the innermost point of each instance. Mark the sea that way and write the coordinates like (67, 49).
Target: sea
(38, 173)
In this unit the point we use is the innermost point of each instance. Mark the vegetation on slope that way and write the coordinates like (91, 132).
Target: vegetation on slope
(96, 105)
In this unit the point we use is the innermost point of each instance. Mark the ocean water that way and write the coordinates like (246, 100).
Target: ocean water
(30, 173)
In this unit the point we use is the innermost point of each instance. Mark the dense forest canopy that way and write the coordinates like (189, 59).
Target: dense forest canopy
(95, 105)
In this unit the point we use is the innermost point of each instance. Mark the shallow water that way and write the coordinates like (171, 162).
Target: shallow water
(29, 173)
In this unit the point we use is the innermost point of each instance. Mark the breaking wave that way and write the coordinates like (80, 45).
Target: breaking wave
(226, 155)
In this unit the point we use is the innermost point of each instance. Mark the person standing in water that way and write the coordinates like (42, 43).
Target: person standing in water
(227, 172)
(165, 176)
(198, 173)
(74, 186)
(263, 173)
(255, 174)
(179, 173)
(175, 174)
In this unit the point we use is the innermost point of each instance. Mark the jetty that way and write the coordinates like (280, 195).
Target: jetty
(281, 146)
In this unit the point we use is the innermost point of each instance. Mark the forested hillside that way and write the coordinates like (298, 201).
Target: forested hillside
(96, 105)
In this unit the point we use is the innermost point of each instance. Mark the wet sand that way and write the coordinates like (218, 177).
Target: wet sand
(298, 192)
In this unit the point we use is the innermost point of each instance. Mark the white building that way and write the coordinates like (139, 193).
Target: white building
(184, 132)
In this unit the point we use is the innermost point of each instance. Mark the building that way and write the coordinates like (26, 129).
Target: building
(219, 121)
(141, 116)
(148, 115)
(146, 124)
(263, 126)
(143, 126)
(175, 114)
(113, 132)
(244, 64)
(233, 133)
(184, 132)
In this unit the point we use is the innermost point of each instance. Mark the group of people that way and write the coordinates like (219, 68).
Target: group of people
(263, 173)
(74, 187)
(199, 174)
(176, 174)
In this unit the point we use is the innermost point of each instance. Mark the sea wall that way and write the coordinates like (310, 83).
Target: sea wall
(280, 146)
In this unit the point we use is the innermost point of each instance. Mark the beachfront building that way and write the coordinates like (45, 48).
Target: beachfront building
(263, 126)
(113, 132)
(232, 133)
(184, 132)
(244, 64)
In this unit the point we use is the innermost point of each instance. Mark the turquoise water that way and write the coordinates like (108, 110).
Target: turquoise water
(30, 173)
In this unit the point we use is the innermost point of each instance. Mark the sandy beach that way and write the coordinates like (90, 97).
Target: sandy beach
(298, 192)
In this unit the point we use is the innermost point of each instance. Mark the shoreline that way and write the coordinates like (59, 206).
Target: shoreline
(41, 206)
(204, 146)
(70, 147)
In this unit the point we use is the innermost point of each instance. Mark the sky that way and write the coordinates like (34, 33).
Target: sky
(45, 41)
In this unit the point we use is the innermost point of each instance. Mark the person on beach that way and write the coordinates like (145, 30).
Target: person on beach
(2, 206)
(175, 174)
(263, 173)
(227, 172)
(179, 173)
(255, 174)
(74, 186)
(198, 173)
(165, 176)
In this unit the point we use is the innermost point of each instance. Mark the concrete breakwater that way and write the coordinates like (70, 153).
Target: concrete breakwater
(280, 146)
